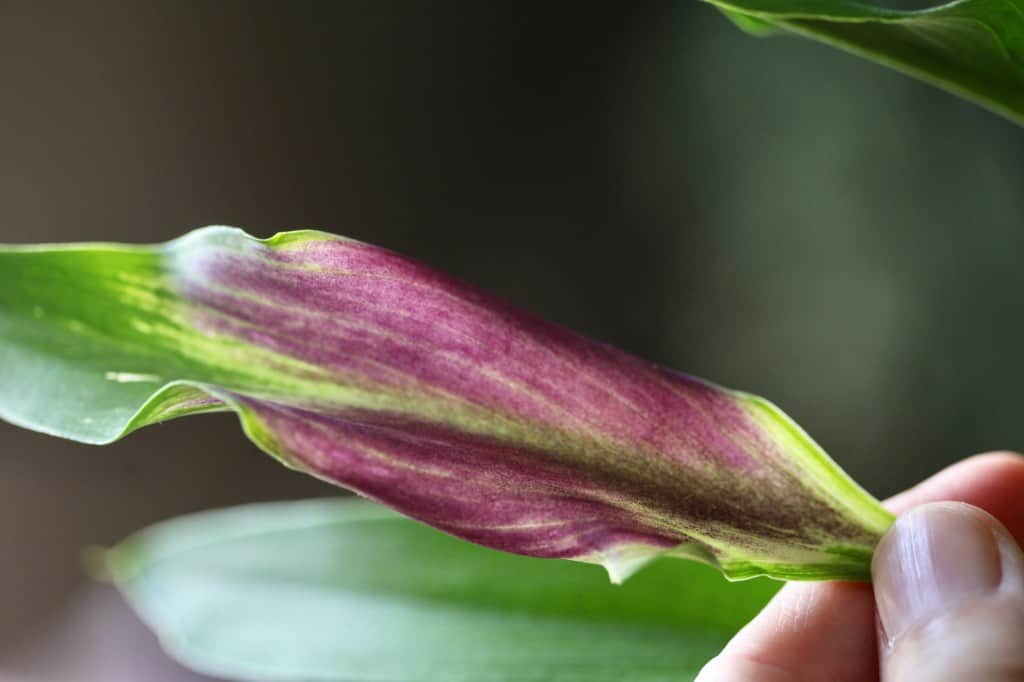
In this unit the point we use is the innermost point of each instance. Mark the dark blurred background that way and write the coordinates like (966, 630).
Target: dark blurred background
(770, 214)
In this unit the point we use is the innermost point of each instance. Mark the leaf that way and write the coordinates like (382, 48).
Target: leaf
(345, 590)
(751, 24)
(363, 368)
(972, 48)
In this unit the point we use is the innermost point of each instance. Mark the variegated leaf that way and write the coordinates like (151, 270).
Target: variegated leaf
(372, 371)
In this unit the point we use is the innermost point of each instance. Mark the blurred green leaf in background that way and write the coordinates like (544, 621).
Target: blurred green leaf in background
(347, 590)
(973, 48)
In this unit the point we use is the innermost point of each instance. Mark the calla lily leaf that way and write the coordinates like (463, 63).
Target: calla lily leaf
(369, 370)
(972, 48)
(345, 590)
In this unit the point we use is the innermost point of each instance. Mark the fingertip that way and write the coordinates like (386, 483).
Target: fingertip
(933, 557)
(1004, 465)
(991, 481)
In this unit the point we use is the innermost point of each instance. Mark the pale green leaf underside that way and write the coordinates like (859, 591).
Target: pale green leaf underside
(346, 590)
(972, 48)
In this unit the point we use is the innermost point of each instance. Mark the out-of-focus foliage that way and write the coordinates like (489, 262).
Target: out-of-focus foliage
(346, 590)
(974, 48)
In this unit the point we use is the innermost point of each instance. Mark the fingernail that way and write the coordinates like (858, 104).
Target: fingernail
(932, 558)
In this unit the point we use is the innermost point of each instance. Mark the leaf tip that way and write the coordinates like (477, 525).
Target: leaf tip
(622, 562)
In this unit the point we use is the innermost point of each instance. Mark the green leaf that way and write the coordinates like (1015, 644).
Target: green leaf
(751, 24)
(346, 590)
(972, 48)
(356, 365)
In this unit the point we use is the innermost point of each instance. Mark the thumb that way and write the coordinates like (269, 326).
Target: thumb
(949, 586)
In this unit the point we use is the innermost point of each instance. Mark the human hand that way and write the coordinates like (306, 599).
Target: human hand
(948, 593)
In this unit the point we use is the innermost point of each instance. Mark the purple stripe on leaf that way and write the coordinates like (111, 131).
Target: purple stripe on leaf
(460, 410)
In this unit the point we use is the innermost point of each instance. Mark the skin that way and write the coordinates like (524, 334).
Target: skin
(828, 632)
